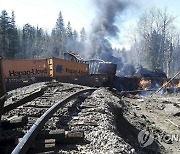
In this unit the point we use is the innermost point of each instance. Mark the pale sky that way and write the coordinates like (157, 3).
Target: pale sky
(80, 13)
(45, 12)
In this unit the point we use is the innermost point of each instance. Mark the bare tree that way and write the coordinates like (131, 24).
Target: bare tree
(155, 39)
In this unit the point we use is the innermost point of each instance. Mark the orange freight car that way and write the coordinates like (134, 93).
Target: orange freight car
(18, 73)
(2, 87)
(25, 68)
(61, 68)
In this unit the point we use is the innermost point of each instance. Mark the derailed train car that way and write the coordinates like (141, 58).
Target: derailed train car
(18, 73)
(74, 70)
(98, 66)
(61, 67)
(71, 69)
(15, 69)
(2, 89)
(95, 72)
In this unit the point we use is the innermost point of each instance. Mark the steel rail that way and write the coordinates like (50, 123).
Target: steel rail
(24, 100)
(29, 137)
(3, 97)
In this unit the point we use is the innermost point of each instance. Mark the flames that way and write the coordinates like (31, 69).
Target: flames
(145, 84)
(166, 84)
(178, 85)
(172, 84)
(159, 85)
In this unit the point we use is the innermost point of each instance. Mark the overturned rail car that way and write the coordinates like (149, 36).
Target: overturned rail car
(2, 89)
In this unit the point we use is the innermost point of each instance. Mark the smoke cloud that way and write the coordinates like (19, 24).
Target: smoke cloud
(104, 26)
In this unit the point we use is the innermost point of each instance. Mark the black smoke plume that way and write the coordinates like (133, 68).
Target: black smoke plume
(104, 26)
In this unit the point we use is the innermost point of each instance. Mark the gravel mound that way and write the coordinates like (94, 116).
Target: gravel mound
(98, 122)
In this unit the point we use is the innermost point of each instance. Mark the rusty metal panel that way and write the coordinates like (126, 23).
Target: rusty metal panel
(69, 68)
(2, 87)
(107, 68)
(98, 66)
(25, 68)
(96, 80)
(2, 90)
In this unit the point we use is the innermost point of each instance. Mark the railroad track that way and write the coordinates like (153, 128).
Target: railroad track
(42, 115)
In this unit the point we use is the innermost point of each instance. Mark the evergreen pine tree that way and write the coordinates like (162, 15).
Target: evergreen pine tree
(4, 28)
(83, 38)
(58, 37)
(14, 46)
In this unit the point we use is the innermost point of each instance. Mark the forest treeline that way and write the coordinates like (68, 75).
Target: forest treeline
(154, 41)
(33, 42)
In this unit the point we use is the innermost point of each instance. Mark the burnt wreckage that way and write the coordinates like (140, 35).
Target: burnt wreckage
(73, 69)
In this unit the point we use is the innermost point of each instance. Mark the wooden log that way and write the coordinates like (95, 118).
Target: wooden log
(85, 123)
(50, 141)
(62, 137)
(14, 122)
(8, 144)
(54, 134)
(39, 146)
(43, 144)
(6, 150)
(24, 100)
(177, 114)
(9, 141)
(72, 137)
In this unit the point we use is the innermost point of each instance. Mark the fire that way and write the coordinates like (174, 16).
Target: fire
(175, 84)
(165, 84)
(170, 86)
(178, 85)
(145, 84)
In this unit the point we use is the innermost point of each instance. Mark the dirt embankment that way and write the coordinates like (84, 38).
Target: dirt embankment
(114, 124)
(160, 116)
